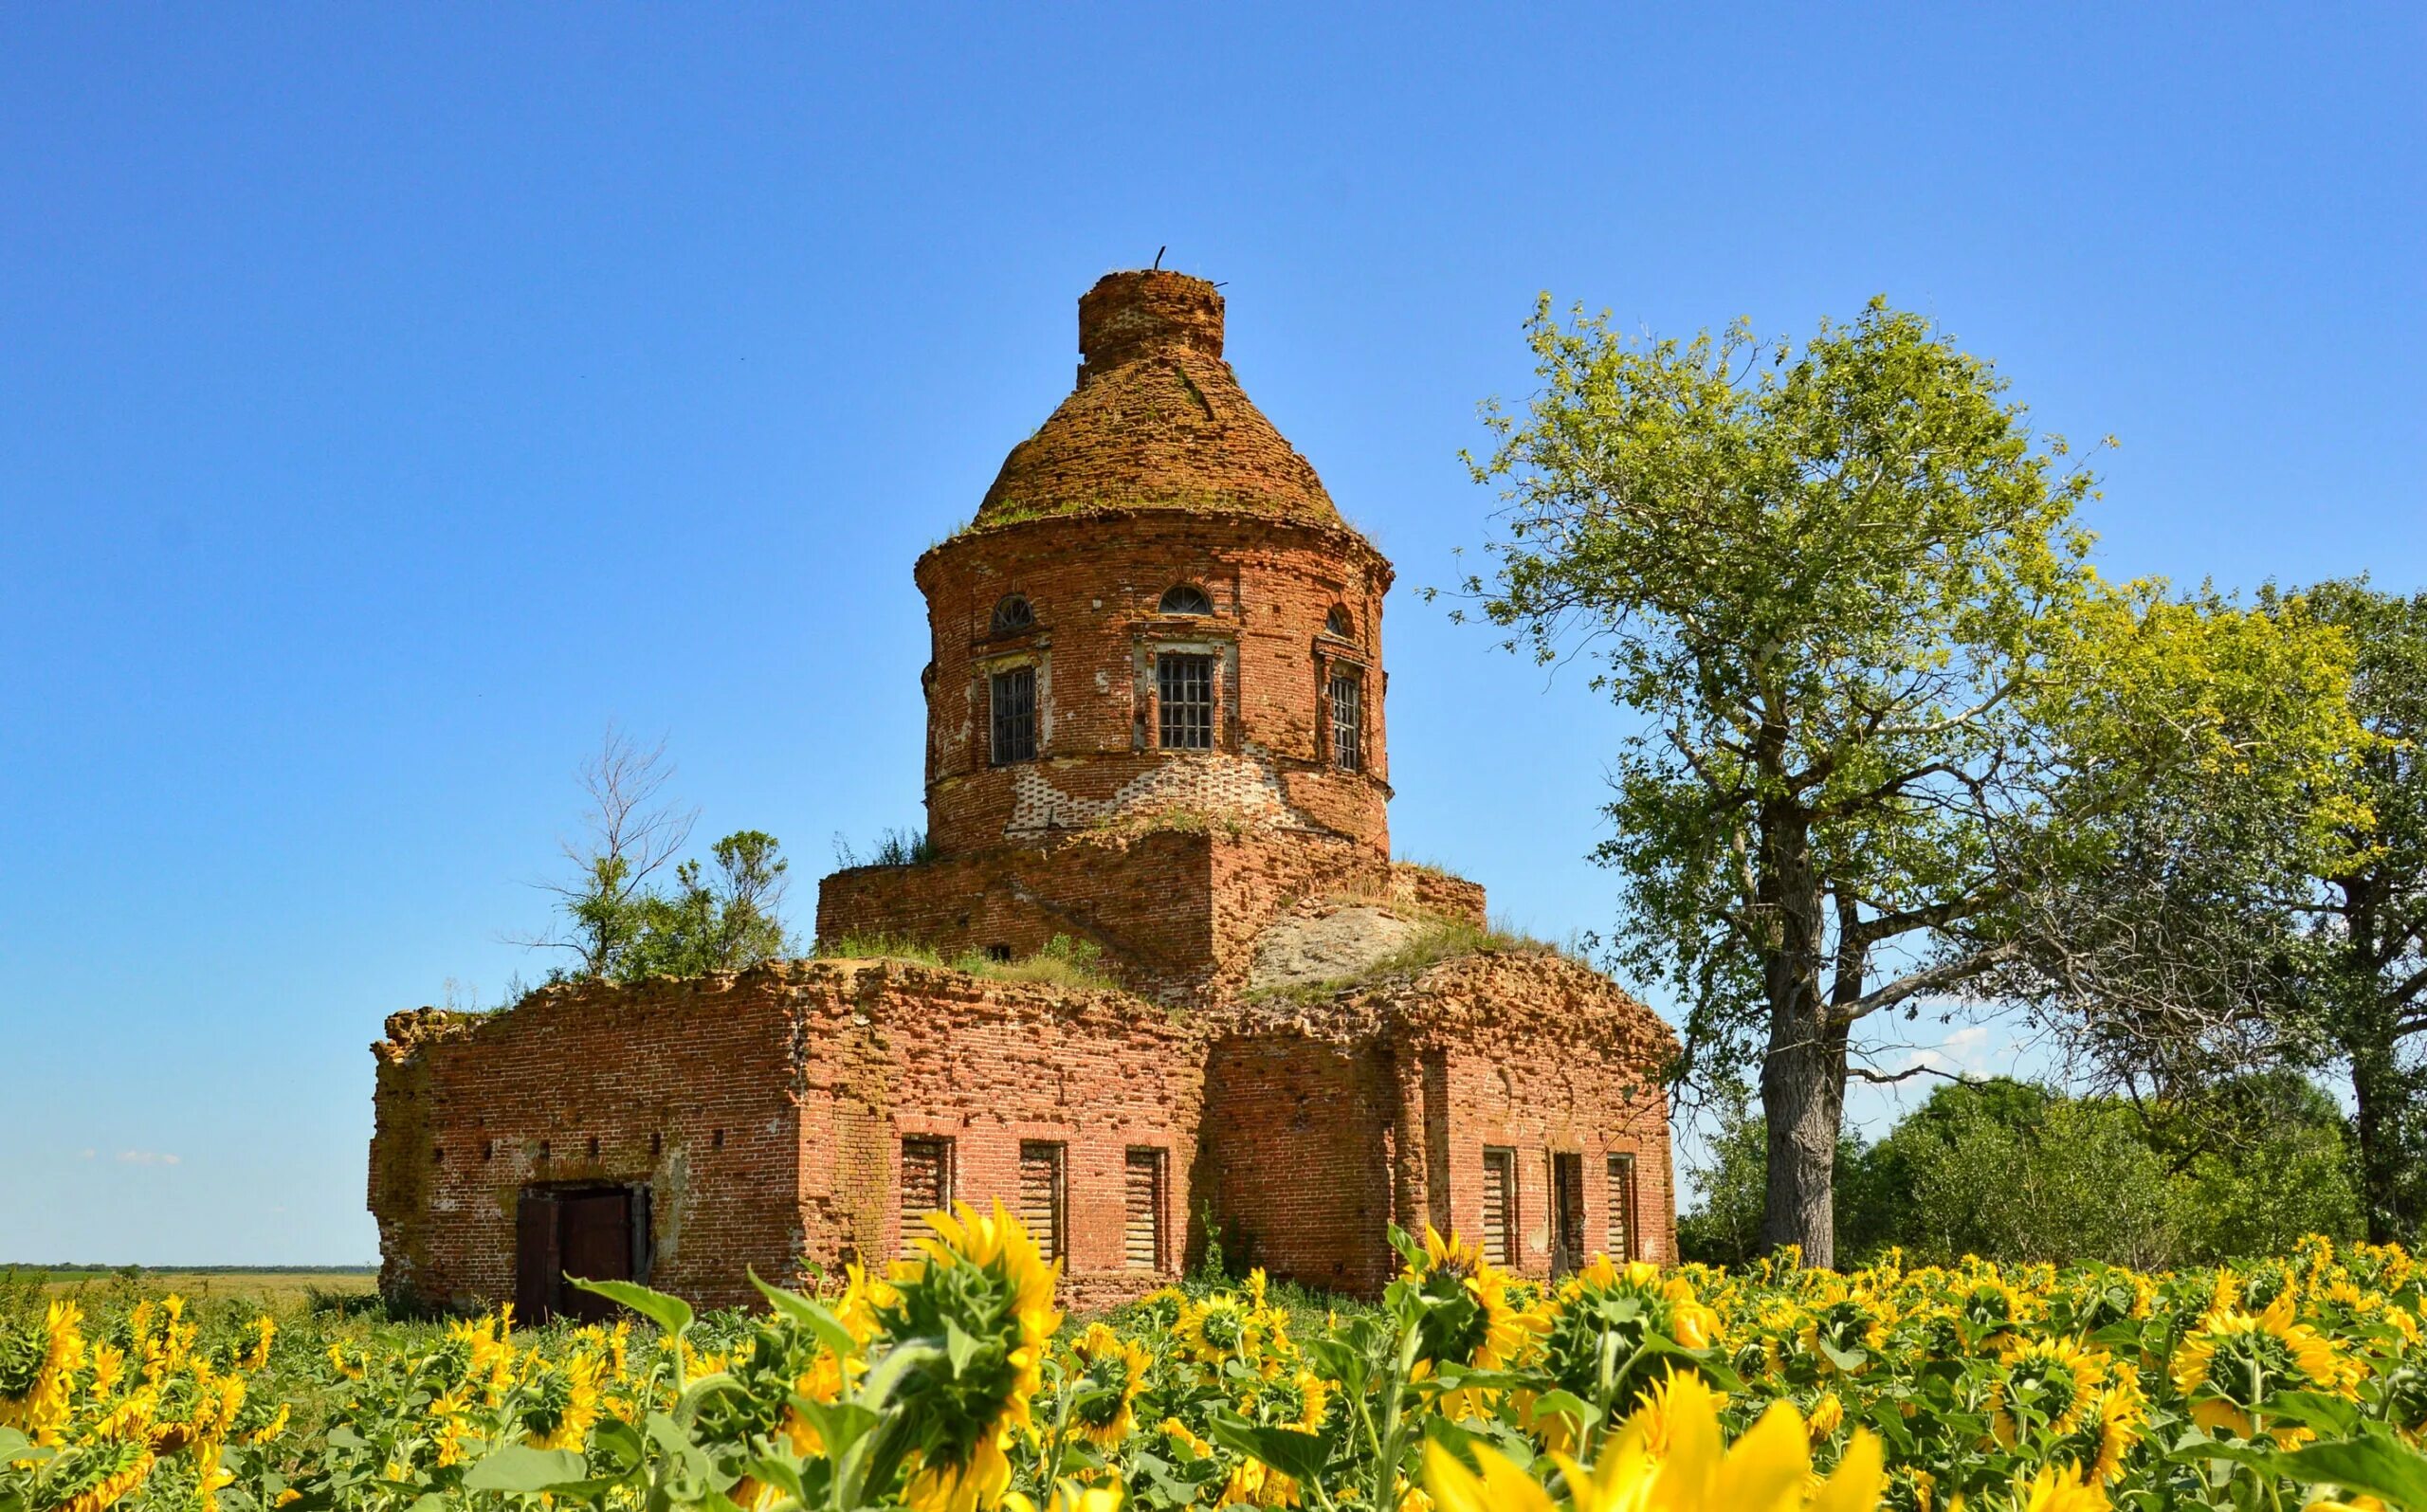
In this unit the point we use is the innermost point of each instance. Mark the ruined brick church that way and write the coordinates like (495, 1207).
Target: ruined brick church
(1155, 727)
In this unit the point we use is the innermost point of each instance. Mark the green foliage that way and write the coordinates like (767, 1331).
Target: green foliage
(1884, 697)
(620, 922)
(1061, 962)
(894, 848)
(2015, 1172)
(723, 919)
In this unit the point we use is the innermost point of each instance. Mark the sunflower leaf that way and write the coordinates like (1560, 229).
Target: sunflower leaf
(670, 1313)
(796, 1308)
(959, 1347)
(521, 1467)
(2377, 1465)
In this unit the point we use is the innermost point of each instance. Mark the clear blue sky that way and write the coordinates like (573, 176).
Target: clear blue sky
(392, 395)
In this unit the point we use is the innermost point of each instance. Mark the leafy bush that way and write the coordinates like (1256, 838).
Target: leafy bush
(2013, 1172)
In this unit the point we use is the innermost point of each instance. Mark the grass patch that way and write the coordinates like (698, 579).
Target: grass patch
(1063, 962)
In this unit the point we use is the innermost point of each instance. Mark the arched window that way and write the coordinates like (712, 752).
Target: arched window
(1337, 622)
(1012, 615)
(1185, 599)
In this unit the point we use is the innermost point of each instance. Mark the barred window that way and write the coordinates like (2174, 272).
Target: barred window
(1012, 696)
(1187, 599)
(1347, 729)
(1184, 691)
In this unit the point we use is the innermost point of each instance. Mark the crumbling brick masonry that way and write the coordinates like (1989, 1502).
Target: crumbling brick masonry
(1155, 726)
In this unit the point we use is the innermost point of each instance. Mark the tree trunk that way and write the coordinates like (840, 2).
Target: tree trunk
(1803, 1098)
(2369, 1040)
(1803, 1077)
(2375, 1094)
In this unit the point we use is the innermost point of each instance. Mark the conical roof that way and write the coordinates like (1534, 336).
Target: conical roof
(1157, 420)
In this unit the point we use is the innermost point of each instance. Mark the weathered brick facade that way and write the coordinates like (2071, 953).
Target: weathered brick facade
(1155, 724)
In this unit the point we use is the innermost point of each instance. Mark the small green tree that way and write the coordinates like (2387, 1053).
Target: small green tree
(1883, 694)
(619, 923)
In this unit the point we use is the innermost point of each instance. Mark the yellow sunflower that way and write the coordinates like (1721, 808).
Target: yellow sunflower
(37, 1371)
(94, 1474)
(1223, 1326)
(982, 1279)
(566, 1405)
(1657, 1408)
(2057, 1378)
(1472, 1321)
(2235, 1362)
(1769, 1469)
(1112, 1371)
(2058, 1488)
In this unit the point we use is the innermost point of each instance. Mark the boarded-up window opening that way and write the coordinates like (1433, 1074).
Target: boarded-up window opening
(1567, 1212)
(1184, 697)
(1012, 698)
(1041, 1196)
(1500, 1206)
(1621, 1223)
(926, 1186)
(1142, 1211)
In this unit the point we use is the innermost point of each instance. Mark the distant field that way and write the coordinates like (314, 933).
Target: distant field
(282, 1288)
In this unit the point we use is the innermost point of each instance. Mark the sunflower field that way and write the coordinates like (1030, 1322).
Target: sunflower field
(953, 1384)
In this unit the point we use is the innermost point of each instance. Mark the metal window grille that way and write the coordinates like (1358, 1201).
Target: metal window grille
(1186, 599)
(1142, 1211)
(1500, 1206)
(1347, 714)
(1012, 698)
(1621, 1218)
(1041, 1196)
(926, 1186)
(1012, 615)
(1337, 622)
(1184, 693)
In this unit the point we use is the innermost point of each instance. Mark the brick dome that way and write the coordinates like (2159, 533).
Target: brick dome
(1157, 420)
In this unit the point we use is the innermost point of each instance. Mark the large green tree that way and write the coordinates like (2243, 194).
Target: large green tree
(2233, 931)
(2366, 932)
(1881, 691)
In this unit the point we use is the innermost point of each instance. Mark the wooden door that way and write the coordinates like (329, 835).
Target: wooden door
(536, 1265)
(594, 1239)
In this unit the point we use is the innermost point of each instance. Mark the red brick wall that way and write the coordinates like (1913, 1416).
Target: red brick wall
(905, 1049)
(700, 1067)
(1096, 581)
(1297, 1157)
(1519, 1049)
(812, 1071)
(1537, 1055)
(1144, 899)
(1175, 912)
